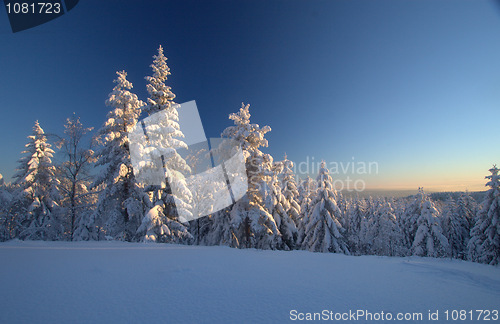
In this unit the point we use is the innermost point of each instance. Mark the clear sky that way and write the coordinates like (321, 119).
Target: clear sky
(412, 85)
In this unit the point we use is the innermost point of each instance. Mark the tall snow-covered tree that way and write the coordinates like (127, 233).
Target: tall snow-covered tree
(160, 95)
(484, 244)
(75, 178)
(355, 218)
(323, 231)
(169, 208)
(429, 239)
(408, 220)
(281, 208)
(290, 190)
(6, 221)
(467, 209)
(343, 207)
(384, 231)
(203, 196)
(252, 225)
(307, 191)
(37, 196)
(119, 210)
(455, 228)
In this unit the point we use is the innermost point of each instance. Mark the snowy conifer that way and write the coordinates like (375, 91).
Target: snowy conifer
(120, 207)
(252, 224)
(323, 231)
(484, 244)
(467, 208)
(408, 220)
(219, 229)
(429, 239)
(384, 231)
(290, 190)
(281, 208)
(160, 95)
(355, 219)
(307, 192)
(6, 221)
(455, 228)
(37, 197)
(163, 222)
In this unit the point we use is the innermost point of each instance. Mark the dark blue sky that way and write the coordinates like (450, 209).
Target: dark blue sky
(411, 85)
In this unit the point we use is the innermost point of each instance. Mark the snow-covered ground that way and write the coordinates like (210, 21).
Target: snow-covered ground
(113, 282)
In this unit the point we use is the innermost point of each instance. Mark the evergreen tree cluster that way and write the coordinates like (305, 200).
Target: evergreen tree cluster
(92, 193)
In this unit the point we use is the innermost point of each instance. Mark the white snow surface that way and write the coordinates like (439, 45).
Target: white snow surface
(117, 282)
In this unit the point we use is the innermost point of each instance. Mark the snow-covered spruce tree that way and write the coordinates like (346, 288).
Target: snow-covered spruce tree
(161, 96)
(369, 225)
(290, 190)
(163, 221)
(429, 239)
(484, 244)
(14, 211)
(384, 231)
(37, 197)
(343, 207)
(281, 208)
(408, 221)
(119, 210)
(75, 178)
(306, 189)
(252, 225)
(369, 211)
(307, 192)
(219, 229)
(355, 218)
(202, 199)
(455, 228)
(6, 226)
(323, 232)
(467, 208)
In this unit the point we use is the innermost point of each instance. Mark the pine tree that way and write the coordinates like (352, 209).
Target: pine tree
(75, 178)
(170, 206)
(307, 191)
(281, 208)
(369, 225)
(252, 225)
(355, 219)
(37, 196)
(6, 221)
(119, 210)
(408, 221)
(323, 231)
(343, 206)
(455, 228)
(290, 190)
(429, 239)
(160, 95)
(467, 209)
(219, 230)
(484, 245)
(204, 196)
(368, 212)
(384, 231)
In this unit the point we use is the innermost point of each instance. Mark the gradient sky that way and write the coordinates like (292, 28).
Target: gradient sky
(411, 85)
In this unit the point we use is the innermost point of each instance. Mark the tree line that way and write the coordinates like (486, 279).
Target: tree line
(93, 194)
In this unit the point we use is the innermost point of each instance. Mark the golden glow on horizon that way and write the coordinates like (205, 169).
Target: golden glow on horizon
(428, 182)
